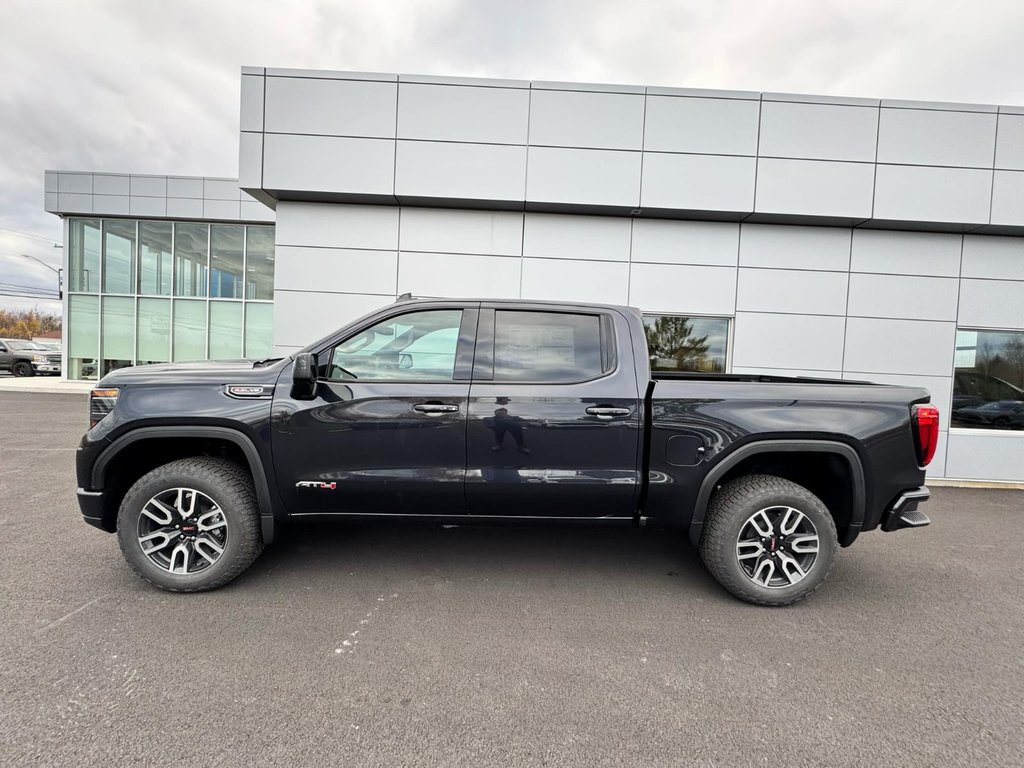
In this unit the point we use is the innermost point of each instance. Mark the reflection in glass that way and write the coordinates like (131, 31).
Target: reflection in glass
(84, 255)
(226, 241)
(546, 346)
(988, 383)
(190, 259)
(83, 336)
(225, 330)
(155, 263)
(259, 263)
(677, 343)
(118, 256)
(417, 345)
(154, 331)
(117, 333)
(259, 320)
(189, 330)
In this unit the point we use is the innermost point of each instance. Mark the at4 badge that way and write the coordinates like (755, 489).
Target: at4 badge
(316, 484)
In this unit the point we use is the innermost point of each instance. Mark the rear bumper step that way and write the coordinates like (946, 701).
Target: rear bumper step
(904, 512)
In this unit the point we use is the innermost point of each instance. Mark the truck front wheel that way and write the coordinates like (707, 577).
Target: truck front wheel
(768, 540)
(190, 525)
(23, 369)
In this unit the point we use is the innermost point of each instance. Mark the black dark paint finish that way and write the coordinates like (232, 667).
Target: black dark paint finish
(620, 446)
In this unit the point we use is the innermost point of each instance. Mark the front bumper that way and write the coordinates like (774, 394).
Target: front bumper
(46, 368)
(904, 513)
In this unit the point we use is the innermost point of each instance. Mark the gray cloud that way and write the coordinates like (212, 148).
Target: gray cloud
(126, 85)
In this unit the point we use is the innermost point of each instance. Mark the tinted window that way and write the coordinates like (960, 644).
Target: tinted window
(677, 343)
(546, 346)
(988, 385)
(417, 346)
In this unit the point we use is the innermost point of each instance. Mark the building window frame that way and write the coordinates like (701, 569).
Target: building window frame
(135, 295)
(730, 326)
(990, 431)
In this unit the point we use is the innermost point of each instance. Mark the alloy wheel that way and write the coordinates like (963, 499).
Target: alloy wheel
(777, 547)
(182, 531)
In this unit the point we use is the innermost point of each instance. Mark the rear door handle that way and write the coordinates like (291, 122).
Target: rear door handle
(607, 412)
(435, 409)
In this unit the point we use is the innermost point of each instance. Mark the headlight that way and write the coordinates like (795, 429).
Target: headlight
(101, 402)
(38, 358)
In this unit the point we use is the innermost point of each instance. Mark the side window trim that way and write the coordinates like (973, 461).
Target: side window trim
(609, 349)
(483, 361)
(465, 349)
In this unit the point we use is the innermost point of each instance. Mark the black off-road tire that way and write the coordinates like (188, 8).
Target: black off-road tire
(230, 487)
(23, 369)
(730, 508)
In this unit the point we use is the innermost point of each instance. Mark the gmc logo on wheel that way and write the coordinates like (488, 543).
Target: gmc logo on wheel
(316, 484)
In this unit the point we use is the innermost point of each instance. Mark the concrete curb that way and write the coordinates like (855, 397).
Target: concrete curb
(946, 482)
(45, 385)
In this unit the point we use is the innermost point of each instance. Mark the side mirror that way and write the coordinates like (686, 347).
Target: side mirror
(304, 376)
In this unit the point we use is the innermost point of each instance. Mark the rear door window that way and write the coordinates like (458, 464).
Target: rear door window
(547, 347)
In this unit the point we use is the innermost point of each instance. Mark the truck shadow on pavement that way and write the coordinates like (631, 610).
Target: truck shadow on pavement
(335, 556)
(319, 553)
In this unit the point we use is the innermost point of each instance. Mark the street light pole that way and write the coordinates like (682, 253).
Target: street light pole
(60, 274)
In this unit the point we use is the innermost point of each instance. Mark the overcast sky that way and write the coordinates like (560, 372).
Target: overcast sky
(151, 86)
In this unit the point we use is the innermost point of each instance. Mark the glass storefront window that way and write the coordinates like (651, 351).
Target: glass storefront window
(259, 263)
(678, 343)
(155, 259)
(154, 331)
(118, 256)
(988, 380)
(189, 330)
(221, 275)
(83, 336)
(259, 320)
(226, 243)
(117, 333)
(191, 243)
(225, 330)
(84, 245)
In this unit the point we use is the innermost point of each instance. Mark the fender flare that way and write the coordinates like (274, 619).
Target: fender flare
(252, 457)
(843, 450)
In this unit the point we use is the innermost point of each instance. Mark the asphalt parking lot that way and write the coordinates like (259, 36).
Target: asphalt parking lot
(390, 645)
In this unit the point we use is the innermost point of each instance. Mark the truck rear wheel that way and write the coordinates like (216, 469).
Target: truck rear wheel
(190, 525)
(768, 540)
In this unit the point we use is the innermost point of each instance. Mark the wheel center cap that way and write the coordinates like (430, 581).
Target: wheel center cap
(189, 528)
(773, 544)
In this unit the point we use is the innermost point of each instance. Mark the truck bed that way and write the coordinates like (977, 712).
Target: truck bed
(755, 377)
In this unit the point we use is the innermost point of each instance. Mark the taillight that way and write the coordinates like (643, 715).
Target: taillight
(101, 402)
(926, 432)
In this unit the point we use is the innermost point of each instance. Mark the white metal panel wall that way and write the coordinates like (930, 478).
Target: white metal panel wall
(478, 142)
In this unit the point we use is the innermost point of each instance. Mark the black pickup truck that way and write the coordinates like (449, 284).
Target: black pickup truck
(459, 411)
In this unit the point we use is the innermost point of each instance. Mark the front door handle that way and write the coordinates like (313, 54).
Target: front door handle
(606, 412)
(435, 409)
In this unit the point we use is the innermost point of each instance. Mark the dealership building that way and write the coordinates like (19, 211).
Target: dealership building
(822, 236)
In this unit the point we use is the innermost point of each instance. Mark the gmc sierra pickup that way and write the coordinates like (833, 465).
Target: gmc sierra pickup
(460, 411)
